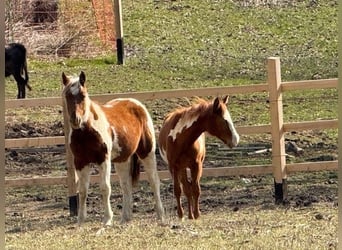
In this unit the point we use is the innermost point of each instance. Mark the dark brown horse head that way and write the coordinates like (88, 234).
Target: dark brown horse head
(76, 99)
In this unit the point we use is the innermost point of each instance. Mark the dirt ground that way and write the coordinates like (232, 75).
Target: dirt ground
(33, 208)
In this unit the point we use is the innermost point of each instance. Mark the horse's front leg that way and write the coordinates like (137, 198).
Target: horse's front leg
(123, 170)
(83, 185)
(105, 186)
(196, 193)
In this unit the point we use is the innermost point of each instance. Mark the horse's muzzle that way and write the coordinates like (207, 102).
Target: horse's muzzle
(235, 141)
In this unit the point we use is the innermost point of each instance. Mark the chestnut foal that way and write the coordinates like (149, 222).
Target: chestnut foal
(182, 145)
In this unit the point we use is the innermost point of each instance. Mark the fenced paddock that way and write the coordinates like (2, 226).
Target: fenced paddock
(277, 129)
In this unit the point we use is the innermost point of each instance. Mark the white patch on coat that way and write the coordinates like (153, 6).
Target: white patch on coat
(116, 149)
(125, 129)
(235, 135)
(108, 105)
(181, 125)
(163, 155)
(201, 140)
(102, 126)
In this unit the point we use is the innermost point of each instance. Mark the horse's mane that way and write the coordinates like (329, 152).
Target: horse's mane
(197, 107)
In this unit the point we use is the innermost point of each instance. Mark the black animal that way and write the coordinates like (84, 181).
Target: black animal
(16, 65)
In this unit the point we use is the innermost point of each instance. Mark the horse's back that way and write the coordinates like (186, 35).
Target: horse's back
(132, 124)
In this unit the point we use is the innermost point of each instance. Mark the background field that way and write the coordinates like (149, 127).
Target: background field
(191, 44)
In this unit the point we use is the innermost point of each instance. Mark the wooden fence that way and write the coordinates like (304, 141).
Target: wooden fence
(274, 86)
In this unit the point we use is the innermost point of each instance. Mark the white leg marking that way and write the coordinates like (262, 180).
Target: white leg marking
(83, 185)
(105, 187)
(123, 170)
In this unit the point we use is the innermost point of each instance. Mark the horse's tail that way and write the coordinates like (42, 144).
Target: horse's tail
(135, 169)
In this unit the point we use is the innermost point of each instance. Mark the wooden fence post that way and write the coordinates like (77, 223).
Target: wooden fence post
(277, 130)
(71, 174)
(119, 31)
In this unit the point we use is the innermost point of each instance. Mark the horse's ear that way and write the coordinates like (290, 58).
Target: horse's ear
(65, 79)
(82, 78)
(217, 106)
(225, 99)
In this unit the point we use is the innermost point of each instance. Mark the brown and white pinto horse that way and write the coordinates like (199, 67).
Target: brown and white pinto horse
(182, 145)
(119, 130)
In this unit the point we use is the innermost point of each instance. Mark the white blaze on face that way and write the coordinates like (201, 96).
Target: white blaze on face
(181, 125)
(74, 88)
(235, 135)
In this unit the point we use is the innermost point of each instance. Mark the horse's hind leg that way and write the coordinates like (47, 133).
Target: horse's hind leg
(105, 171)
(187, 189)
(150, 167)
(123, 170)
(196, 174)
(21, 82)
(83, 185)
(177, 189)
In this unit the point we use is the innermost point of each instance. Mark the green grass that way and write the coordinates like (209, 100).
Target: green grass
(191, 44)
(197, 44)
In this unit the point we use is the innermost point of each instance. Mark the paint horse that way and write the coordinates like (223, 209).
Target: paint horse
(117, 131)
(182, 146)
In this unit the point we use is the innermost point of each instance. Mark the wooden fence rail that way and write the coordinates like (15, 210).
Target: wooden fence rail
(274, 86)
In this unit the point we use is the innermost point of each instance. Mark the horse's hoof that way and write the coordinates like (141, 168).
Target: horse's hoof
(108, 223)
(197, 215)
(100, 231)
(124, 220)
(181, 218)
(80, 222)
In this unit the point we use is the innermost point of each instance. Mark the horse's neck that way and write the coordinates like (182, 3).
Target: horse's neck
(94, 110)
(197, 128)
(95, 115)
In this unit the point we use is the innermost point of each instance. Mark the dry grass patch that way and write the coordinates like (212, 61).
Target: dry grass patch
(249, 228)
